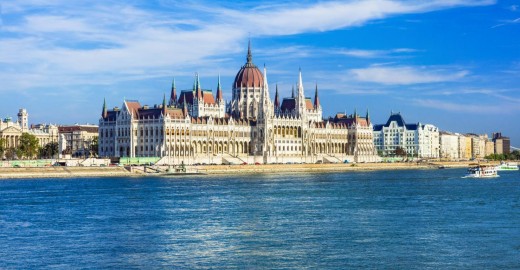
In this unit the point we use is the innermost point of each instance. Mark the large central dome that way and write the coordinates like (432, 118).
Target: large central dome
(249, 75)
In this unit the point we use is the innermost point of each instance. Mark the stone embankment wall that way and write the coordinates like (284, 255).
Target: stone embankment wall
(48, 172)
(289, 168)
(74, 172)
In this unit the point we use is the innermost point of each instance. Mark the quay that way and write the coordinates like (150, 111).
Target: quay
(135, 171)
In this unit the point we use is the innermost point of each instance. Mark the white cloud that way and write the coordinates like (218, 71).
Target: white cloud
(405, 75)
(375, 53)
(465, 107)
(326, 16)
(506, 22)
(493, 93)
(63, 42)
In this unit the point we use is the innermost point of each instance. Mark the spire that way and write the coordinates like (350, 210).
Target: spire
(276, 98)
(197, 86)
(316, 98)
(266, 86)
(292, 94)
(219, 90)
(104, 114)
(368, 117)
(249, 55)
(301, 106)
(355, 112)
(173, 94)
(301, 95)
(164, 104)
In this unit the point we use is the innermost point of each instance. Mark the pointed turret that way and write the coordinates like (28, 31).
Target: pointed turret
(197, 86)
(164, 104)
(276, 98)
(104, 113)
(266, 86)
(368, 117)
(300, 99)
(249, 55)
(292, 93)
(265, 100)
(219, 91)
(316, 98)
(173, 94)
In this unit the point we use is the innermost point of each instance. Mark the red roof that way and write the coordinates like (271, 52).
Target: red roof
(308, 104)
(133, 107)
(68, 129)
(208, 97)
(249, 76)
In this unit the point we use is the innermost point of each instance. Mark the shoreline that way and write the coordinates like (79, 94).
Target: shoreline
(81, 172)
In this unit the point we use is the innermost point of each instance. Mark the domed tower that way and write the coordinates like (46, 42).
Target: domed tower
(247, 89)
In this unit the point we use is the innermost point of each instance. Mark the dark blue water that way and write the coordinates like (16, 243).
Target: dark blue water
(388, 219)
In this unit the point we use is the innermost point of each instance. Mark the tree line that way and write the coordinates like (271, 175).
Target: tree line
(515, 155)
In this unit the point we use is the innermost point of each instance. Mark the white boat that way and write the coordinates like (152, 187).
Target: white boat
(482, 171)
(507, 166)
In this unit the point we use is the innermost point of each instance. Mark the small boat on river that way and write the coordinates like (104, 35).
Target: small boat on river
(507, 166)
(179, 170)
(482, 171)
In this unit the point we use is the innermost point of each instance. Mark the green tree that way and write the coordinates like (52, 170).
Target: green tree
(94, 147)
(399, 151)
(28, 146)
(10, 153)
(49, 150)
(2, 147)
(515, 155)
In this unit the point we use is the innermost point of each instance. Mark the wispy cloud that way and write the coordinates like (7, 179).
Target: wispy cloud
(464, 107)
(493, 93)
(91, 40)
(506, 22)
(405, 75)
(375, 53)
(326, 16)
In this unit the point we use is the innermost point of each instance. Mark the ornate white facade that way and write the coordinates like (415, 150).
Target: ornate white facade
(197, 127)
(418, 140)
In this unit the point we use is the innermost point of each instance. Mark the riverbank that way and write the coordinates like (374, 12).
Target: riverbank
(288, 168)
(62, 172)
(76, 172)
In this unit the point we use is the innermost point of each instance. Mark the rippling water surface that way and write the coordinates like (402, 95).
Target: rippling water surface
(386, 219)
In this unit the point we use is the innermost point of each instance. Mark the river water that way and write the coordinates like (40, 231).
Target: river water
(409, 219)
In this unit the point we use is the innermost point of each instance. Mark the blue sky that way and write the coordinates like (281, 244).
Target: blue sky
(451, 63)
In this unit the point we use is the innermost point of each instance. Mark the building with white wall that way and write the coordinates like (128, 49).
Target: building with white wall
(418, 140)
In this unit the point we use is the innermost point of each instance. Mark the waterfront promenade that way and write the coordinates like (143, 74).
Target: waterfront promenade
(73, 172)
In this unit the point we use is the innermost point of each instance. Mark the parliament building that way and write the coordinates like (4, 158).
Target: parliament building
(198, 126)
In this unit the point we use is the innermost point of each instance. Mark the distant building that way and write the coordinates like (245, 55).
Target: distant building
(76, 140)
(502, 144)
(418, 140)
(478, 145)
(449, 145)
(12, 131)
(468, 147)
(490, 147)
